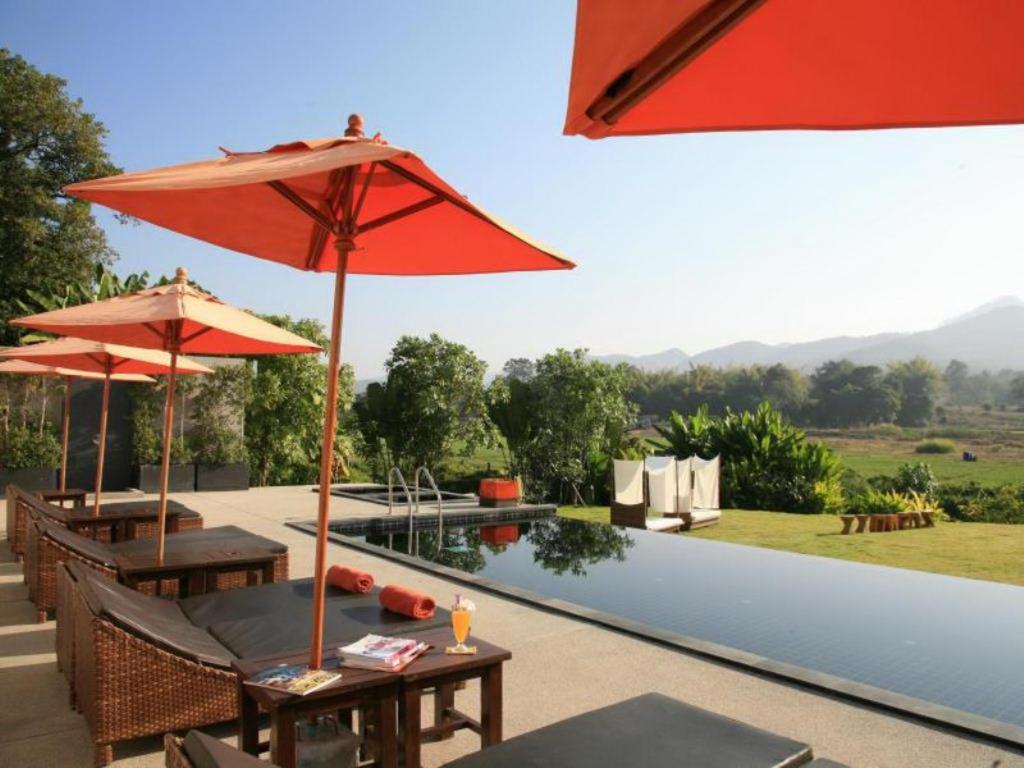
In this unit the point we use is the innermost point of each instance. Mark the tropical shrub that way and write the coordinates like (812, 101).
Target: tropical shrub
(25, 447)
(935, 446)
(915, 478)
(766, 462)
(220, 399)
(971, 502)
(875, 502)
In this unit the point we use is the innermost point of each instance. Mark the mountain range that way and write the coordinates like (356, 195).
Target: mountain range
(988, 337)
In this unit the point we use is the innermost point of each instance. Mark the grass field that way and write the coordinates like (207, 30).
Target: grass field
(947, 467)
(975, 550)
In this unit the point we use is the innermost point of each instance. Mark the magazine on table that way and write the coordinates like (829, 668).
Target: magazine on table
(296, 679)
(380, 652)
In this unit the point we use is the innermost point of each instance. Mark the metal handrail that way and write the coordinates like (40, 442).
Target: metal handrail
(416, 489)
(408, 499)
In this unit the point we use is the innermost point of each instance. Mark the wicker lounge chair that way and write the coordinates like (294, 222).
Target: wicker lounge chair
(143, 665)
(197, 750)
(50, 544)
(20, 502)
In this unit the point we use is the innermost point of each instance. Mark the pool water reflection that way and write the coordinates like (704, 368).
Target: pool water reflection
(944, 640)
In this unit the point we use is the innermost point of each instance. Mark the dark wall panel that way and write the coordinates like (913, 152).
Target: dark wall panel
(86, 397)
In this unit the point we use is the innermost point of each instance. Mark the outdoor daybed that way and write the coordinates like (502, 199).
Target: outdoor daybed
(651, 730)
(50, 543)
(632, 492)
(20, 501)
(143, 665)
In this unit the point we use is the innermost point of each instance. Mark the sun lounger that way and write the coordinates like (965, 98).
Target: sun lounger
(143, 665)
(705, 507)
(50, 544)
(654, 731)
(629, 504)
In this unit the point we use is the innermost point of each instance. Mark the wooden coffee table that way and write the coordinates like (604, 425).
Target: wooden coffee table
(196, 572)
(74, 495)
(122, 522)
(442, 672)
(375, 693)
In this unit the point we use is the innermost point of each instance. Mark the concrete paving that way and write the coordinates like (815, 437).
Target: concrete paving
(560, 667)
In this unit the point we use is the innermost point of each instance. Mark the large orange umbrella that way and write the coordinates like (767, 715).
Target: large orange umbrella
(674, 66)
(342, 205)
(26, 368)
(105, 360)
(165, 322)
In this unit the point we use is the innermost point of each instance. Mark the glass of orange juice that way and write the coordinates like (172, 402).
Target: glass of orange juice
(461, 611)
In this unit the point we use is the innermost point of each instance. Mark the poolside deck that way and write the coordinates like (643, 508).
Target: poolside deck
(560, 667)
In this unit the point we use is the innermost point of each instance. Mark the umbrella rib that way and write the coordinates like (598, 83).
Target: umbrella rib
(154, 329)
(448, 196)
(196, 335)
(682, 46)
(295, 199)
(401, 213)
(363, 191)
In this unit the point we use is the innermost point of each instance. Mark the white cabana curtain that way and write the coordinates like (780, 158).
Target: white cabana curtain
(661, 483)
(629, 481)
(706, 474)
(684, 485)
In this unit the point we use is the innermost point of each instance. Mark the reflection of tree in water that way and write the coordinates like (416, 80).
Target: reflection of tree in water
(460, 548)
(562, 545)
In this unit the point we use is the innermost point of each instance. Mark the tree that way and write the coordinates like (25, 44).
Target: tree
(556, 424)
(285, 410)
(843, 394)
(917, 381)
(957, 381)
(430, 407)
(47, 141)
(1017, 390)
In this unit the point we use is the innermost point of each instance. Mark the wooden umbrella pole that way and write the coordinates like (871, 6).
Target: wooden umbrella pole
(343, 245)
(165, 459)
(65, 434)
(103, 443)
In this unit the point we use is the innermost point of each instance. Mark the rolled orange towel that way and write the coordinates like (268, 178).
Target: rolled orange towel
(407, 602)
(349, 579)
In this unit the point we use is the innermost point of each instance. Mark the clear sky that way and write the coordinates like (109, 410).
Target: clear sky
(682, 241)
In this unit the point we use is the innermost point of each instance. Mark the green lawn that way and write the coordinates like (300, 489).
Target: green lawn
(974, 550)
(947, 467)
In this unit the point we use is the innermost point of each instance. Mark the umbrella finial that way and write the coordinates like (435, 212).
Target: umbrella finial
(355, 126)
(181, 276)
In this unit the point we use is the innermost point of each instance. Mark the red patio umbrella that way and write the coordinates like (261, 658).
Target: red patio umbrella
(674, 66)
(25, 368)
(342, 205)
(103, 360)
(165, 322)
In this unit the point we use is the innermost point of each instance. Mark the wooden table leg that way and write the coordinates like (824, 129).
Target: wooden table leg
(409, 714)
(248, 722)
(387, 733)
(268, 572)
(490, 706)
(282, 737)
(444, 702)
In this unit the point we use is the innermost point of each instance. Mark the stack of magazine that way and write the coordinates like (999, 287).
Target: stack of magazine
(388, 654)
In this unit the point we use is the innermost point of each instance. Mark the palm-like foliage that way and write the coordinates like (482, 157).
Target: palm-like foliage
(766, 462)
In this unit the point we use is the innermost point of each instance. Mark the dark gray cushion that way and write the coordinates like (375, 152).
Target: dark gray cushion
(90, 549)
(158, 621)
(207, 752)
(287, 627)
(221, 537)
(285, 598)
(823, 762)
(651, 730)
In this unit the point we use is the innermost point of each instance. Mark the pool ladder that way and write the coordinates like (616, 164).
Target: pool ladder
(393, 473)
(433, 486)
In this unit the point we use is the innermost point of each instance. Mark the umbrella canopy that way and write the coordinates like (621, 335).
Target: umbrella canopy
(676, 66)
(342, 205)
(99, 358)
(26, 368)
(167, 321)
(103, 360)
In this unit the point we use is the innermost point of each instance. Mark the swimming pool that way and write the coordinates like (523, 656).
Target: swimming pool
(944, 648)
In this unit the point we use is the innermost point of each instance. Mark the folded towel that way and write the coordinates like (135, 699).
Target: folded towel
(349, 579)
(407, 602)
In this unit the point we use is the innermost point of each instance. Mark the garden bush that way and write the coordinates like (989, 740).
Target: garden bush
(875, 502)
(935, 446)
(972, 502)
(766, 462)
(25, 447)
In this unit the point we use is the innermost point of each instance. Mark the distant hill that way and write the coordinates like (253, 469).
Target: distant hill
(988, 337)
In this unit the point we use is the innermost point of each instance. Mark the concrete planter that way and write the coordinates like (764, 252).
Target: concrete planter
(182, 477)
(30, 478)
(222, 477)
